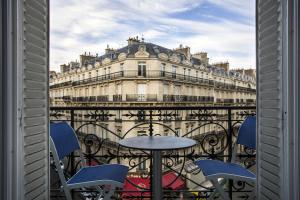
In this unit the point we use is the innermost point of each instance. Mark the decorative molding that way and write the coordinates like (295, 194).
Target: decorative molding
(97, 64)
(163, 56)
(106, 61)
(187, 62)
(142, 53)
(122, 56)
(175, 58)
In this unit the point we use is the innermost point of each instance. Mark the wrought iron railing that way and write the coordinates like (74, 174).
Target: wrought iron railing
(141, 97)
(164, 75)
(100, 128)
(153, 98)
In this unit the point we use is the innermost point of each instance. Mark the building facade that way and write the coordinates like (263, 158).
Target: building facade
(145, 73)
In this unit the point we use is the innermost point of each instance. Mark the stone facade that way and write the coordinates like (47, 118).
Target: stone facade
(145, 74)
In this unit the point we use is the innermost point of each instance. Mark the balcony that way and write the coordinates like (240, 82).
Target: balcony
(141, 97)
(152, 74)
(186, 98)
(101, 98)
(99, 129)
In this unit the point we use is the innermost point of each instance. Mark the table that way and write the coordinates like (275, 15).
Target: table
(156, 144)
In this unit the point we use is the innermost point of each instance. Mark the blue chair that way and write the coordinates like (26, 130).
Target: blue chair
(215, 169)
(63, 142)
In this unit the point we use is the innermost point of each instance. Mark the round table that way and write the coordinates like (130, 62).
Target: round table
(156, 144)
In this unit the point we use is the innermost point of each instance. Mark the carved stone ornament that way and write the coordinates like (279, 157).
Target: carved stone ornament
(187, 62)
(163, 56)
(122, 56)
(201, 67)
(142, 53)
(106, 61)
(97, 64)
(83, 68)
(175, 58)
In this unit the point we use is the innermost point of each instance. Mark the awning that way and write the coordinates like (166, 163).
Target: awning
(168, 182)
(133, 191)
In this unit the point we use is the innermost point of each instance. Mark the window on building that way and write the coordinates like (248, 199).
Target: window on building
(94, 91)
(177, 92)
(142, 69)
(141, 91)
(163, 69)
(122, 69)
(142, 164)
(177, 131)
(108, 72)
(184, 73)
(166, 132)
(141, 133)
(119, 89)
(173, 71)
(166, 89)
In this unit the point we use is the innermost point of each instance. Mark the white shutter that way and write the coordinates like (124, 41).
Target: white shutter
(269, 97)
(35, 98)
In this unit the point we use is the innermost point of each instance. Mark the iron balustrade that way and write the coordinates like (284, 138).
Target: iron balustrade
(141, 97)
(152, 74)
(214, 128)
(117, 97)
(186, 98)
(155, 98)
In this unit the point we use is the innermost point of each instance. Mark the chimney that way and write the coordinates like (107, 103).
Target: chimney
(223, 65)
(64, 68)
(134, 40)
(84, 58)
(184, 50)
(202, 56)
(250, 72)
(109, 50)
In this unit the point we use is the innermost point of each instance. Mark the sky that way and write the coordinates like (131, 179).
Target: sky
(225, 29)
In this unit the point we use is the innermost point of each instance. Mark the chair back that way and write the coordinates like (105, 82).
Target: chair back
(247, 133)
(64, 139)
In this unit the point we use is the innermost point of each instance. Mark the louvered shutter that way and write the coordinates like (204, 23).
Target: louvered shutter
(269, 98)
(35, 98)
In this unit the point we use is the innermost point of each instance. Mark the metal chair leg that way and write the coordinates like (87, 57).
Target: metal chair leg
(101, 193)
(213, 194)
(110, 193)
(68, 193)
(220, 190)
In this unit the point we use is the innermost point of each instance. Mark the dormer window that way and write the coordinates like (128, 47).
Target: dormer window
(142, 48)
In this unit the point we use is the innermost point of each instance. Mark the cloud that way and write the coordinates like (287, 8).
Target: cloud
(77, 27)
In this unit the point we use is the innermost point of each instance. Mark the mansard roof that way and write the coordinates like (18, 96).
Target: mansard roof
(152, 49)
